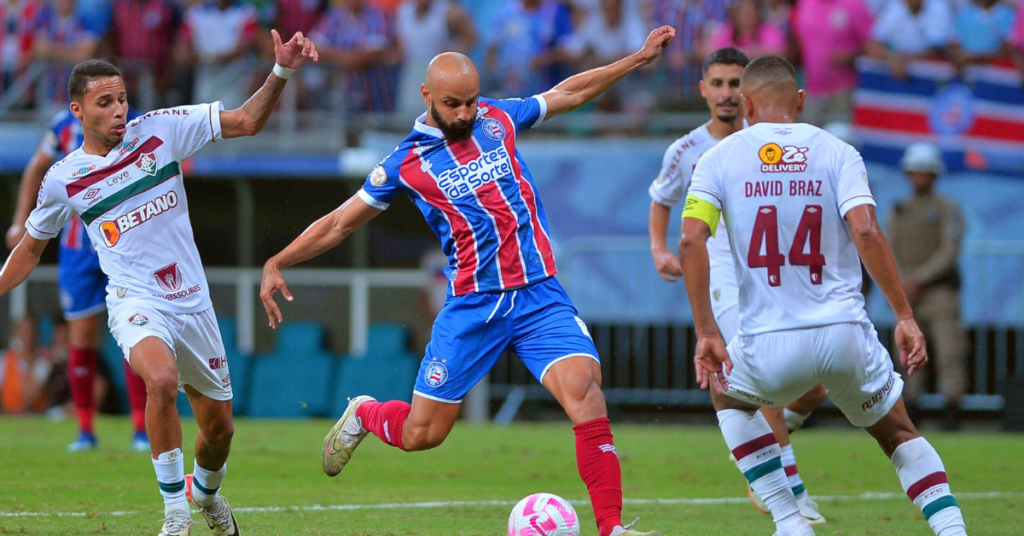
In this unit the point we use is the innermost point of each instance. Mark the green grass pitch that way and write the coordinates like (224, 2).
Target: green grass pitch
(275, 482)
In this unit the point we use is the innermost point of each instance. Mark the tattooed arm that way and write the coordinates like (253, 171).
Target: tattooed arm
(253, 115)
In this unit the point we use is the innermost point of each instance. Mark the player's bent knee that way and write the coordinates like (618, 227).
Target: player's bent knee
(723, 402)
(893, 430)
(162, 386)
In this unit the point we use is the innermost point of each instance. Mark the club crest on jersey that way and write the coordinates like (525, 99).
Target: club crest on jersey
(121, 292)
(436, 374)
(378, 176)
(147, 164)
(493, 129)
(138, 320)
(777, 159)
(168, 277)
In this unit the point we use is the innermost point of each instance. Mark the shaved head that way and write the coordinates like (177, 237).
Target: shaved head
(451, 68)
(451, 89)
(770, 91)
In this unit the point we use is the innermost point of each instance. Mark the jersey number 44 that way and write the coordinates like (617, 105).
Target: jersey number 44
(766, 235)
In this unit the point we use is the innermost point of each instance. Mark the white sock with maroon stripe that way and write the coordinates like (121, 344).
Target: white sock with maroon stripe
(757, 455)
(789, 466)
(924, 479)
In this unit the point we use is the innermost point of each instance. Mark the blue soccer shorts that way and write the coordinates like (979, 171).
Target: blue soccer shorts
(538, 323)
(83, 285)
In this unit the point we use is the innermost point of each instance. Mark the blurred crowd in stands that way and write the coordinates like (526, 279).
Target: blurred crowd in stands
(376, 50)
(34, 377)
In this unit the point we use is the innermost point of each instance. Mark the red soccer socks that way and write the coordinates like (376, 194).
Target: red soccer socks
(385, 419)
(598, 464)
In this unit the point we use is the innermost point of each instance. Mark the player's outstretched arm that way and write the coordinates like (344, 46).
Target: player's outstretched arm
(710, 355)
(877, 257)
(253, 115)
(326, 233)
(657, 226)
(28, 190)
(582, 88)
(20, 264)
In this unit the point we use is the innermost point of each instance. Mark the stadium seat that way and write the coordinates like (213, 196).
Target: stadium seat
(294, 380)
(387, 371)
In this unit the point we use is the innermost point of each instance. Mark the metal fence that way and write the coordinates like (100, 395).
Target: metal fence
(652, 364)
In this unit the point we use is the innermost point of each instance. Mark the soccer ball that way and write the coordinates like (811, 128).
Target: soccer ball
(543, 514)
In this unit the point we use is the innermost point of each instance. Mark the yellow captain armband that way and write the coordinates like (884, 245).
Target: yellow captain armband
(703, 211)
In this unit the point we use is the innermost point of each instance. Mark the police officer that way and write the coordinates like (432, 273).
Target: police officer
(925, 232)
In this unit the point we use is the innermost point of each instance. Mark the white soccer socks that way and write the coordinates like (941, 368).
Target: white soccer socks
(758, 456)
(793, 419)
(792, 474)
(924, 479)
(170, 474)
(206, 484)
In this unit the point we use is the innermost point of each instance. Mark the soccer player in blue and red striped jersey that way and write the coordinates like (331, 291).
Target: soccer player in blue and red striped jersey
(462, 169)
(83, 288)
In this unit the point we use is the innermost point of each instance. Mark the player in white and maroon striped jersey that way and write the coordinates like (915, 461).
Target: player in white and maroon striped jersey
(125, 182)
(801, 220)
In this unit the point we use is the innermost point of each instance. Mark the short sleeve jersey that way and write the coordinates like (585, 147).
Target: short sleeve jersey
(133, 203)
(670, 188)
(784, 190)
(477, 195)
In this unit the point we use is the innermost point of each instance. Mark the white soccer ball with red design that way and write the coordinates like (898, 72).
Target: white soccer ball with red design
(543, 514)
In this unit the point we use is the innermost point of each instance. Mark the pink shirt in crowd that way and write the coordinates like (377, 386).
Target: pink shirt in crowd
(770, 39)
(825, 28)
(1017, 35)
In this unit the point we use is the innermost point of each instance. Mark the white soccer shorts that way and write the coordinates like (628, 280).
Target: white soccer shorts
(773, 369)
(194, 339)
(729, 323)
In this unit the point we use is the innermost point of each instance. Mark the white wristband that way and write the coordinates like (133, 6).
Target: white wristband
(282, 72)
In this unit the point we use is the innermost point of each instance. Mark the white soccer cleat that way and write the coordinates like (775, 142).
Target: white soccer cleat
(346, 435)
(628, 531)
(220, 519)
(809, 510)
(806, 531)
(177, 521)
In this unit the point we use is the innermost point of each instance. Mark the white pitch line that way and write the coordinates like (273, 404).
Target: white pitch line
(470, 504)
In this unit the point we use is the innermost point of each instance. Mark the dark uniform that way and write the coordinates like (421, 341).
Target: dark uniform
(925, 232)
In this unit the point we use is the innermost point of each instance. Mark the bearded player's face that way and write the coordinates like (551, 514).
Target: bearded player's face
(455, 116)
(721, 89)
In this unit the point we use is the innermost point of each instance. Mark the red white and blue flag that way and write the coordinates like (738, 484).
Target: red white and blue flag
(977, 119)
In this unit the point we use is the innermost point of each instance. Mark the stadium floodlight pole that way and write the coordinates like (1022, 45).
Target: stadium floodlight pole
(127, 174)
(460, 165)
